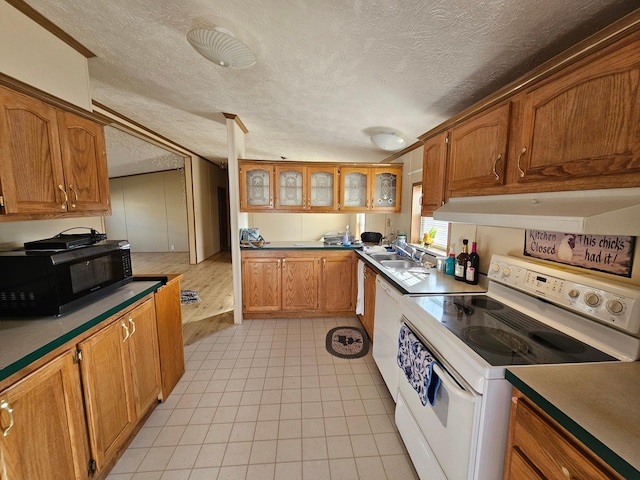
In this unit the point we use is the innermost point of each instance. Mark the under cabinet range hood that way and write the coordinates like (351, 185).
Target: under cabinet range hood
(598, 212)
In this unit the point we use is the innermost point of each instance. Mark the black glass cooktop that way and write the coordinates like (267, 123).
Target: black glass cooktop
(504, 336)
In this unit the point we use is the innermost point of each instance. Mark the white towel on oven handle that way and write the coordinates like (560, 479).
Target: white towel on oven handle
(416, 361)
(360, 294)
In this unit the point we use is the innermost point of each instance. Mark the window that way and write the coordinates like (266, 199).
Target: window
(442, 237)
(420, 225)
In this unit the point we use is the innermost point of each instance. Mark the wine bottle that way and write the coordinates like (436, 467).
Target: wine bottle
(471, 275)
(461, 261)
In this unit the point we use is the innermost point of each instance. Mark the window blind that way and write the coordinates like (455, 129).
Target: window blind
(441, 240)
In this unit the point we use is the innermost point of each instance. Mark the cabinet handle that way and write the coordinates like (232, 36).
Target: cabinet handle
(566, 473)
(75, 193)
(271, 201)
(66, 198)
(494, 166)
(133, 324)
(304, 204)
(4, 405)
(126, 329)
(309, 203)
(278, 264)
(324, 263)
(522, 152)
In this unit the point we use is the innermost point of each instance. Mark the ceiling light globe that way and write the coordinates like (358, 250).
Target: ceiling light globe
(221, 47)
(388, 141)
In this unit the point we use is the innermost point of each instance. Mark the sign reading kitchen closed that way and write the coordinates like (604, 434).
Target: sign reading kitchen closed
(605, 253)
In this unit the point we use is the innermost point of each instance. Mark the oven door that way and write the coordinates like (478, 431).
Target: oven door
(441, 438)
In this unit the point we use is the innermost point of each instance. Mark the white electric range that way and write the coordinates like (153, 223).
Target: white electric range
(533, 313)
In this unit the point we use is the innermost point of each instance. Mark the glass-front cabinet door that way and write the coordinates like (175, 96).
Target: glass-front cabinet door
(354, 185)
(386, 189)
(290, 188)
(322, 188)
(256, 187)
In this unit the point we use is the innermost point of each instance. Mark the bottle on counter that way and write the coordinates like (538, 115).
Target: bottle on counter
(471, 275)
(346, 241)
(461, 261)
(450, 266)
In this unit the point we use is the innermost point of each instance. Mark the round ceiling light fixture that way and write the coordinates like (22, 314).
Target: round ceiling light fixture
(221, 47)
(388, 140)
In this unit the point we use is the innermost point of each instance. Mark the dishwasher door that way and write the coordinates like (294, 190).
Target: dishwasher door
(386, 327)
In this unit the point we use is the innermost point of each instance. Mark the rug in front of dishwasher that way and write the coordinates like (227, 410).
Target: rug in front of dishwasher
(347, 342)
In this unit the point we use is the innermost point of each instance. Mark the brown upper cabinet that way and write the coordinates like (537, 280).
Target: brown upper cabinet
(583, 125)
(571, 124)
(306, 189)
(53, 162)
(256, 186)
(434, 164)
(371, 189)
(319, 187)
(479, 151)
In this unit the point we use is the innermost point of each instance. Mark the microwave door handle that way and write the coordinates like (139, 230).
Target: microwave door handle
(452, 385)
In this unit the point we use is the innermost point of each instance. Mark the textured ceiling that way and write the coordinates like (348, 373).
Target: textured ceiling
(327, 72)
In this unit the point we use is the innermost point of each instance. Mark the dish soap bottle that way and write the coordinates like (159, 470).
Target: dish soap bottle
(346, 241)
(450, 265)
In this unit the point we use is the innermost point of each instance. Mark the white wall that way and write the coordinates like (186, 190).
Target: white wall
(31, 54)
(206, 178)
(14, 234)
(150, 211)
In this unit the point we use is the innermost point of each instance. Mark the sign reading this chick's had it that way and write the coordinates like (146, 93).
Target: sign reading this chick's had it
(605, 253)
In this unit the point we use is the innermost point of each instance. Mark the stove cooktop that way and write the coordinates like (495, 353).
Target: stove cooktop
(504, 336)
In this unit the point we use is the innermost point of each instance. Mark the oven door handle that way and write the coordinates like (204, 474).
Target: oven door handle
(452, 385)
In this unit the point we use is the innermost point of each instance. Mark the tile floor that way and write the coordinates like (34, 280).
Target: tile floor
(264, 400)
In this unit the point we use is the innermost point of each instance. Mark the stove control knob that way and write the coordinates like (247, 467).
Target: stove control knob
(615, 306)
(496, 267)
(574, 293)
(506, 271)
(592, 299)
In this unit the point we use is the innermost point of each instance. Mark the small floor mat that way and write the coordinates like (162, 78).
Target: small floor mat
(189, 296)
(347, 342)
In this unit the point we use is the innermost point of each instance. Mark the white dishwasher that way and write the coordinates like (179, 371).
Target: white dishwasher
(386, 326)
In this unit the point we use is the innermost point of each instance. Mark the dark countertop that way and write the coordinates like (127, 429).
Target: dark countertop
(25, 340)
(596, 402)
(306, 245)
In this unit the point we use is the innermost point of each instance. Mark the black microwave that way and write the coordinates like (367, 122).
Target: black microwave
(52, 282)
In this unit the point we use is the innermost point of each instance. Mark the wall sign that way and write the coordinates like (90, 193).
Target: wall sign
(605, 253)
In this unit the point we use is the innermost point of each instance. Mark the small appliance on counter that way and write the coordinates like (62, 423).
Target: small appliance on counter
(66, 241)
(371, 237)
(43, 282)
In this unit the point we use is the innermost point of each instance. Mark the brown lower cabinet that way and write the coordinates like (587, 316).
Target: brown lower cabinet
(541, 449)
(71, 414)
(44, 433)
(121, 378)
(293, 283)
(369, 300)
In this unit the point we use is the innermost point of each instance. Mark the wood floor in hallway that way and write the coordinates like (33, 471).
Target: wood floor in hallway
(211, 278)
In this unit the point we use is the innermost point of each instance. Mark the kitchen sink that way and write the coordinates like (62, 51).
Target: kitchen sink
(384, 256)
(399, 264)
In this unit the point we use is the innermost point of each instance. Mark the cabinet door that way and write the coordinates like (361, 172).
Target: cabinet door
(31, 176)
(479, 151)
(354, 189)
(256, 187)
(84, 159)
(322, 189)
(434, 163)
(299, 283)
(44, 434)
(369, 300)
(261, 284)
(585, 123)
(290, 188)
(143, 350)
(108, 390)
(338, 283)
(386, 189)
